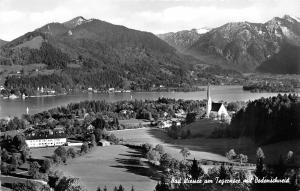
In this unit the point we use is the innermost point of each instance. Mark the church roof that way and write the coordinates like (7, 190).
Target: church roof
(216, 106)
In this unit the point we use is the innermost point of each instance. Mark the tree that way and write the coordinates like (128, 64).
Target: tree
(15, 161)
(4, 155)
(71, 152)
(99, 123)
(98, 133)
(223, 172)
(121, 188)
(195, 170)
(19, 141)
(190, 118)
(147, 147)
(30, 186)
(290, 157)
(153, 155)
(60, 151)
(46, 165)
(69, 184)
(24, 154)
(280, 168)
(93, 140)
(84, 148)
(231, 154)
(165, 160)
(34, 169)
(260, 153)
(185, 153)
(259, 172)
(56, 158)
(160, 149)
(98, 189)
(243, 158)
(162, 185)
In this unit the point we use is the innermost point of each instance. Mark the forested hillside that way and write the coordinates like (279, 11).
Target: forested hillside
(268, 119)
(97, 54)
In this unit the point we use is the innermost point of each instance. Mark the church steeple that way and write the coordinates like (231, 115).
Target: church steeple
(208, 104)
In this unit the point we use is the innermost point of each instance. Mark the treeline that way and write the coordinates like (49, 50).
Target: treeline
(283, 86)
(29, 84)
(146, 109)
(267, 120)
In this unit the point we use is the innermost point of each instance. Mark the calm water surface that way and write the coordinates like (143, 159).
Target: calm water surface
(18, 107)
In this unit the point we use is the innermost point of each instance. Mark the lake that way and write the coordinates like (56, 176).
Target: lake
(17, 107)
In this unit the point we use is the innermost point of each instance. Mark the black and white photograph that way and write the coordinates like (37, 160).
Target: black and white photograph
(150, 95)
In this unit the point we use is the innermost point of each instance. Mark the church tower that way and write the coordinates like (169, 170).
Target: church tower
(208, 104)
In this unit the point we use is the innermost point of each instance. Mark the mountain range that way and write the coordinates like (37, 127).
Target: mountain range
(93, 53)
(100, 54)
(183, 39)
(245, 46)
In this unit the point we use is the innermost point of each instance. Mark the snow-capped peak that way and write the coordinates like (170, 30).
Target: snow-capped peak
(296, 18)
(291, 18)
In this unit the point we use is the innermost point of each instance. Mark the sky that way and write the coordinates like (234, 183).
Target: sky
(157, 16)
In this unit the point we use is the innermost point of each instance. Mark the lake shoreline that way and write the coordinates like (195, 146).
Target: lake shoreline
(17, 107)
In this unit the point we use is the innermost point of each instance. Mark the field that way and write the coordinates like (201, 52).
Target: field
(158, 136)
(203, 147)
(112, 166)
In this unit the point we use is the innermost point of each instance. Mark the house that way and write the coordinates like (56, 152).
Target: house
(111, 89)
(180, 113)
(13, 96)
(218, 111)
(165, 124)
(45, 138)
(215, 110)
(104, 143)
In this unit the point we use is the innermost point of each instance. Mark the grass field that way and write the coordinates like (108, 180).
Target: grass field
(111, 166)
(157, 136)
(203, 147)
(202, 128)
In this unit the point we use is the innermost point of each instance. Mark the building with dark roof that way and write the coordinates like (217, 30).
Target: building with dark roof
(215, 110)
(45, 138)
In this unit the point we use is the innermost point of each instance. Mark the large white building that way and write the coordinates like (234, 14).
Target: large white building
(215, 110)
(46, 138)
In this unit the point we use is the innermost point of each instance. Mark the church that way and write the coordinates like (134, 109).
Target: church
(215, 110)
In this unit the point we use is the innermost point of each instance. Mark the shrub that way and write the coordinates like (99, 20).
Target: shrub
(147, 147)
(84, 148)
(46, 165)
(153, 155)
(56, 158)
(160, 149)
(165, 160)
(231, 154)
(34, 169)
(61, 152)
(71, 153)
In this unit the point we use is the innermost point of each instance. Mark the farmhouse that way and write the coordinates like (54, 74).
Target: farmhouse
(45, 138)
(215, 110)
